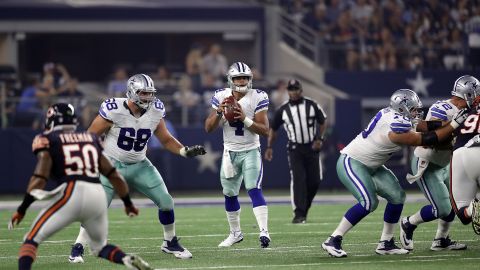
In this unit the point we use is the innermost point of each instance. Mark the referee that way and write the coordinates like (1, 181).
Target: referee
(304, 121)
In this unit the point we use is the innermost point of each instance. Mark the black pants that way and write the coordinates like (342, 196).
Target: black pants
(305, 171)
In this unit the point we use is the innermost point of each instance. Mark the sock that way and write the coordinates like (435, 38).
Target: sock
(355, 214)
(167, 219)
(444, 224)
(343, 227)
(261, 214)
(257, 197)
(82, 237)
(112, 253)
(231, 203)
(387, 232)
(233, 218)
(416, 218)
(26, 255)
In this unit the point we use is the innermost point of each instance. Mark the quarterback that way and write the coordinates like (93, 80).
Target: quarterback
(241, 156)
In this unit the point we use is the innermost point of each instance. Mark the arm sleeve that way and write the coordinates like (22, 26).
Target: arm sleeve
(216, 99)
(262, 102)
(107, 109)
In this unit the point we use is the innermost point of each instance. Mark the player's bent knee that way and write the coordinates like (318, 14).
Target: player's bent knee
(462, 216)
(165, 203)
(229, 193)
(373, 206)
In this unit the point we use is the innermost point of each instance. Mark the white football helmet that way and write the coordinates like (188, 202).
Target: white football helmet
(466, 87)
(140, 90)
(407, 103)
(239, 69)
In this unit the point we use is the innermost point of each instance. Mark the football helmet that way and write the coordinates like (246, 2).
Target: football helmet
(60, 116)
(239, 69)
(140, 90)
(466, 87)
(407, 103)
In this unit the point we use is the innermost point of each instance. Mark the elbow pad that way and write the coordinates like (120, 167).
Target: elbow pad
(433, 125)
(429, 138)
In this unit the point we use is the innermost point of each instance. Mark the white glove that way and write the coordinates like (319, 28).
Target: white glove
(475, 141)
(459, 118)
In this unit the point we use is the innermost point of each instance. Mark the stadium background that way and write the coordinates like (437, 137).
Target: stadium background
(350, 59)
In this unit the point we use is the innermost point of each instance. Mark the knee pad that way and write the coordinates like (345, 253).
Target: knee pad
(462, 216)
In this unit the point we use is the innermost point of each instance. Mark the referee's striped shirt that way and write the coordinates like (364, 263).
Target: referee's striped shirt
(300, 120)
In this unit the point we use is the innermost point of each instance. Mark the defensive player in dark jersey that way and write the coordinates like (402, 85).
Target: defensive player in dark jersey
(465, 170)
(75, 161)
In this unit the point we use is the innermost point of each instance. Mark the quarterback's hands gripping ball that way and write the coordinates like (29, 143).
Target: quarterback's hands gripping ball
(230, 106)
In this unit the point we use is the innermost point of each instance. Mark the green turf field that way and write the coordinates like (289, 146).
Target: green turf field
(201, 229)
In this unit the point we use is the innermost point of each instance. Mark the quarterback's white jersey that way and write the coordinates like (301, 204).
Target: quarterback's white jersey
(235, 136)
(440, 110)
(126, 141)
(372, 146)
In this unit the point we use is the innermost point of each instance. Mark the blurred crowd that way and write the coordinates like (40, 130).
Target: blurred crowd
(186, 93)
(394, 34)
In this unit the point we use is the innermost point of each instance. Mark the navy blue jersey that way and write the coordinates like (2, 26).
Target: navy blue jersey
(75, 156)
(467, 130)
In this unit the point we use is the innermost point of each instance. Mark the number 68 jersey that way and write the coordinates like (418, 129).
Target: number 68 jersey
(372, 146)
(126, 141)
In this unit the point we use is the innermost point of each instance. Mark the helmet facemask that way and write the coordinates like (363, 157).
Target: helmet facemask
(467, 88)
(140, 90)
(239, 69)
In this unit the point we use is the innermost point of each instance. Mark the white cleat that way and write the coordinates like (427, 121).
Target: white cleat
(446, 244)
(388, 247)
(333, 246)
(406, 234)
(135, 262)
(174, 247)
(233, 238)
(76, 255)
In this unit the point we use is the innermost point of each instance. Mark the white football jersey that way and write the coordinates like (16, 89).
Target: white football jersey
(126, 141)
(235, 136)
(372, 146)
(440, 110)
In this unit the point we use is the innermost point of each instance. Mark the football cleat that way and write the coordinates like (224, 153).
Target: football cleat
(264, 239)
(406, 234)
(233, 238)
(135, 262)
(333, 246)
(76, 255)
(388, 247)
(174, 247)
(445, 243)
(299, 220)
(476, 216)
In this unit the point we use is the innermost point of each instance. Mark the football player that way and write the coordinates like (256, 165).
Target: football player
(464, 169)
(241, 157)
(128, 123)
(361, 168)
(75, 161)
(431, 169)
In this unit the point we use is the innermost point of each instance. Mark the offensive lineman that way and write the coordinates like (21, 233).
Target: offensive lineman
(431, 169)
(241, 160)
(128, 123)
(75, 160)
(361, 168)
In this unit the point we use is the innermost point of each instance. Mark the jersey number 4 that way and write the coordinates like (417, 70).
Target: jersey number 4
(82, 161)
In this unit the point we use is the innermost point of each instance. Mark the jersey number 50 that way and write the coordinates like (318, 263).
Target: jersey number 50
(128, 139)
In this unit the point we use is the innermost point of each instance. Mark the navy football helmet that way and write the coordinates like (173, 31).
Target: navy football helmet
(61, 116)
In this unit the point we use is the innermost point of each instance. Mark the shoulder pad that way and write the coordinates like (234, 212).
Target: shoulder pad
(400, 124)
(159, 107)
(108, 108)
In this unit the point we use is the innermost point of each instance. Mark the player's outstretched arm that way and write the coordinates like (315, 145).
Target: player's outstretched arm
(37, 181)
(173, 145)
(119, 184)
(99, 126)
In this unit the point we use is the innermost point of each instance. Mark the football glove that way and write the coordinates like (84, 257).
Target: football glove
(15, 220)
(196, 150)
(459, 118)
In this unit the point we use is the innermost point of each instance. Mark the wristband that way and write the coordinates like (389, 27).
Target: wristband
(183, 152)
(126, 200)
(433, 125)
(454, 124)
(247, 122)
(27, 201)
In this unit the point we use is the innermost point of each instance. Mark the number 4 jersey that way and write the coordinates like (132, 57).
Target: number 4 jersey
(127, 139)
(372, 146)
(236, 137)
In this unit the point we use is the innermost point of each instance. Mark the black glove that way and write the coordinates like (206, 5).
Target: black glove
(196, 150)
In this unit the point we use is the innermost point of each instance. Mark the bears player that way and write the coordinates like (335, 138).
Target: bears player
(464, 170)
(75, 160)
(128, 123)
(241, 158)
(361, 168)
(431, 169)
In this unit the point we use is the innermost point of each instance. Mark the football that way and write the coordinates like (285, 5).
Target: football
(229, 112)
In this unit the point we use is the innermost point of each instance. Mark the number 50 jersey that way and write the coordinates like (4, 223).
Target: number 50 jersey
(372, 146)
(126, 141)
